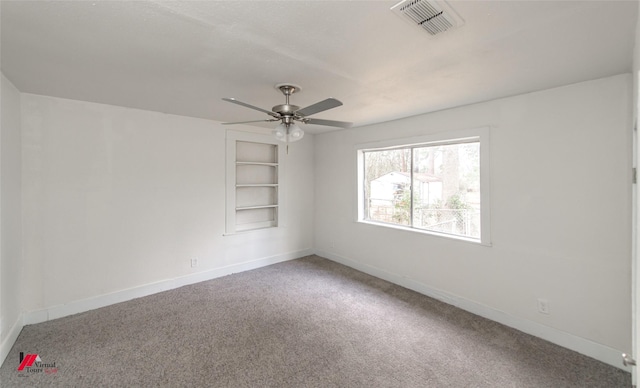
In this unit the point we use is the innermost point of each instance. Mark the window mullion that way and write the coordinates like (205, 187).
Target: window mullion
(411, 188)
(365, 192)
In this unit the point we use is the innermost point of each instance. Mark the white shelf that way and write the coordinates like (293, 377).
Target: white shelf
(256, 207)
(258, 185)
(257, 164)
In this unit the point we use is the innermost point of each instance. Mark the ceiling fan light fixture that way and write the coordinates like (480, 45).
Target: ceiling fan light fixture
(295, 133)
(280, 132)
(288, 133)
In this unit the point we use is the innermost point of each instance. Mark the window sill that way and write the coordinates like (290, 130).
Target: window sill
(427, 232)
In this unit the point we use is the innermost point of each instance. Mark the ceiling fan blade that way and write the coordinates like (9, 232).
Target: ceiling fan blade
(331, 123)
(252, 121)
(233, 100)
(329, 103)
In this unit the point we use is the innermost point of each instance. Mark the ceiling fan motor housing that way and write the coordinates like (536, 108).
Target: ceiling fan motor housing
(285, 109)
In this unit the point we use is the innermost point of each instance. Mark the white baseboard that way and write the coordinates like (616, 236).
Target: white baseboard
(92, 303)
(581, 345)
(11, 338)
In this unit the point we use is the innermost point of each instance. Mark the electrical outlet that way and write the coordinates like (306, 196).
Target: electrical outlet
(194, 262)
(543, 306)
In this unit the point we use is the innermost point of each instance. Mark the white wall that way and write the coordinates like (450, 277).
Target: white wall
(635, 230)
(118, 199)
(560, 215)
(10, 216)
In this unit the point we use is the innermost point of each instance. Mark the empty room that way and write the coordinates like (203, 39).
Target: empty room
(267, 193)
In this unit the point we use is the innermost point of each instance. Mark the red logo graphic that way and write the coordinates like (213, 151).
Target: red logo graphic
(28, 360)
(31, 363)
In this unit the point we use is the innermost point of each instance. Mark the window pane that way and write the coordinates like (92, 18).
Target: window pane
(388, 186)
(446, 182)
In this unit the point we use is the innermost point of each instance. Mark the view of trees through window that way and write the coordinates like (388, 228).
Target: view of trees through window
(430, 187)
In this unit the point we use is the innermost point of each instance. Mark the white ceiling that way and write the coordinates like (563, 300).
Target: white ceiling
(183, 57)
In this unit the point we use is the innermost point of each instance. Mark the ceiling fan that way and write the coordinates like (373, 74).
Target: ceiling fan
(288, 114)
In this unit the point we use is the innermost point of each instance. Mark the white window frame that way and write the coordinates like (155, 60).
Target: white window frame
(232, 137)
(450, 137)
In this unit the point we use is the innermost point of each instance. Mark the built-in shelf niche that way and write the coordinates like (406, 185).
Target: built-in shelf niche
(256, 185)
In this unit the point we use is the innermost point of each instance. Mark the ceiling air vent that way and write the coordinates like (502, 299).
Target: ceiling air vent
(434, 16)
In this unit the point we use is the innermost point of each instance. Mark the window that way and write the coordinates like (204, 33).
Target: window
(436, 184)
(253, 182)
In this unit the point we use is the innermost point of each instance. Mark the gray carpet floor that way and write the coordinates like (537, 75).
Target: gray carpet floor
(303, 323)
